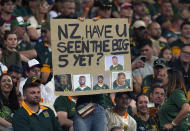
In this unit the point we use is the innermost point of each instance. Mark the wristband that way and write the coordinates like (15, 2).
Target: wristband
(174, 124)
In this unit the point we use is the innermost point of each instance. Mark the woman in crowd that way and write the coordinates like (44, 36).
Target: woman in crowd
(144, 120)
(10, 56)
(40, 17)
(166, 53)
(8, 100)
(173, 112)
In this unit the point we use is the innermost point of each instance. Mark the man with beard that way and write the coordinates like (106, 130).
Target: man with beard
(82, 83)
(32, 115)
(121, 82)
(100, 85)
(158, 42)
(118, 115)
(68, 9)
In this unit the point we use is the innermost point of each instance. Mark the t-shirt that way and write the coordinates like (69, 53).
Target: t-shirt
(171, 108)
(83, 89)
(127, 122)
(116, 68)
(98, 87)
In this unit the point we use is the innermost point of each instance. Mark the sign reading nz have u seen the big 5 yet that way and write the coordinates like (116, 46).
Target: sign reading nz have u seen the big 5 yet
(91, 57)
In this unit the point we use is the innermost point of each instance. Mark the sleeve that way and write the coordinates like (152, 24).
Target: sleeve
(179, 98)
(20, 122)
(136, 73)
(60, 104)
(56, 125)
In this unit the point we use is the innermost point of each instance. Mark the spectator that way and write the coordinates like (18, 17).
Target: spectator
(117, 128)
(41, 117)
(158, 42)
(118, 115)
(68, 9)
(141, 33)
(126, 11)
(182, 64)
(139, 8)
(184, 39)
(9, 101)
(2, 32)
(24, 47)
(116, 8)
(173, 112)
(159, 64)
(166, 54)
(56, 9)
(10, 56)
(40, 17)
(7, 7)
(87, 9)
(65, 108)
(146, 51)
(144, 121)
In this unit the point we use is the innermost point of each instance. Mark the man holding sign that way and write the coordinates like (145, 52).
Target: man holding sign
(82, 87)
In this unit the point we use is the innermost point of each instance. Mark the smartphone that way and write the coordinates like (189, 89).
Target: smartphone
(143, 58)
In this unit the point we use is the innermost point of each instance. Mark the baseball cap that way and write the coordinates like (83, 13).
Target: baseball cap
(126, 5)
(33, 79)
(18, 21)
(138, 24)
(104, 4)
(160, 62)
(33, 62)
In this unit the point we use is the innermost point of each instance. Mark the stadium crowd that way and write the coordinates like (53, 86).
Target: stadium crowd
(160, 61)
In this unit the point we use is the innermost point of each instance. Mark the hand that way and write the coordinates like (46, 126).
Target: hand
(138, 64)
(81, 19)
(168, 126)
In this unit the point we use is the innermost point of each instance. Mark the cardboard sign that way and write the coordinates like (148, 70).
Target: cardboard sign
(91, 57)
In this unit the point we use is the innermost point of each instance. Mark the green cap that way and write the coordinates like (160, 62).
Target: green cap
(33, 79)
(18, 21)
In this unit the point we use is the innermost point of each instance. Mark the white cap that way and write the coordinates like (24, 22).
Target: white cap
(139, 23)
(33, 62)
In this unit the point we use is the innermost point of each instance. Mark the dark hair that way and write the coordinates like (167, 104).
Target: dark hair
(114, 57)
(115, 128)
(145, 42)
(31, 85)
(7, 33)
(5, 1)
(184, 23)
(162, 51)
(12, 101)
(137, 98)
(14, 68)
(157, 85)
(175, 81)
(100, 76)
(2, 22)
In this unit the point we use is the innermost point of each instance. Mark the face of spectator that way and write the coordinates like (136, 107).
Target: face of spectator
(32, 95)
(166, 9)
(46, 36)
(104, 13)
(121, 79)
(167, 55)
(8, 7)
(185, 54)
(115, 61)
(35, 72)
(163, 76)
(11, 41)
(126, 12)
(140, 9)
(15, 77)
(155, 31)
(6, 83)
(2, 29)
(147, 20)
(157, 69)
(186, 31)
(142, 104)
(20, 31)
(147, 51)
(141, 33)
(100, 80)
(123, 102)
(158, 96)
(68, 9)
(44, 8)
(82, 81)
